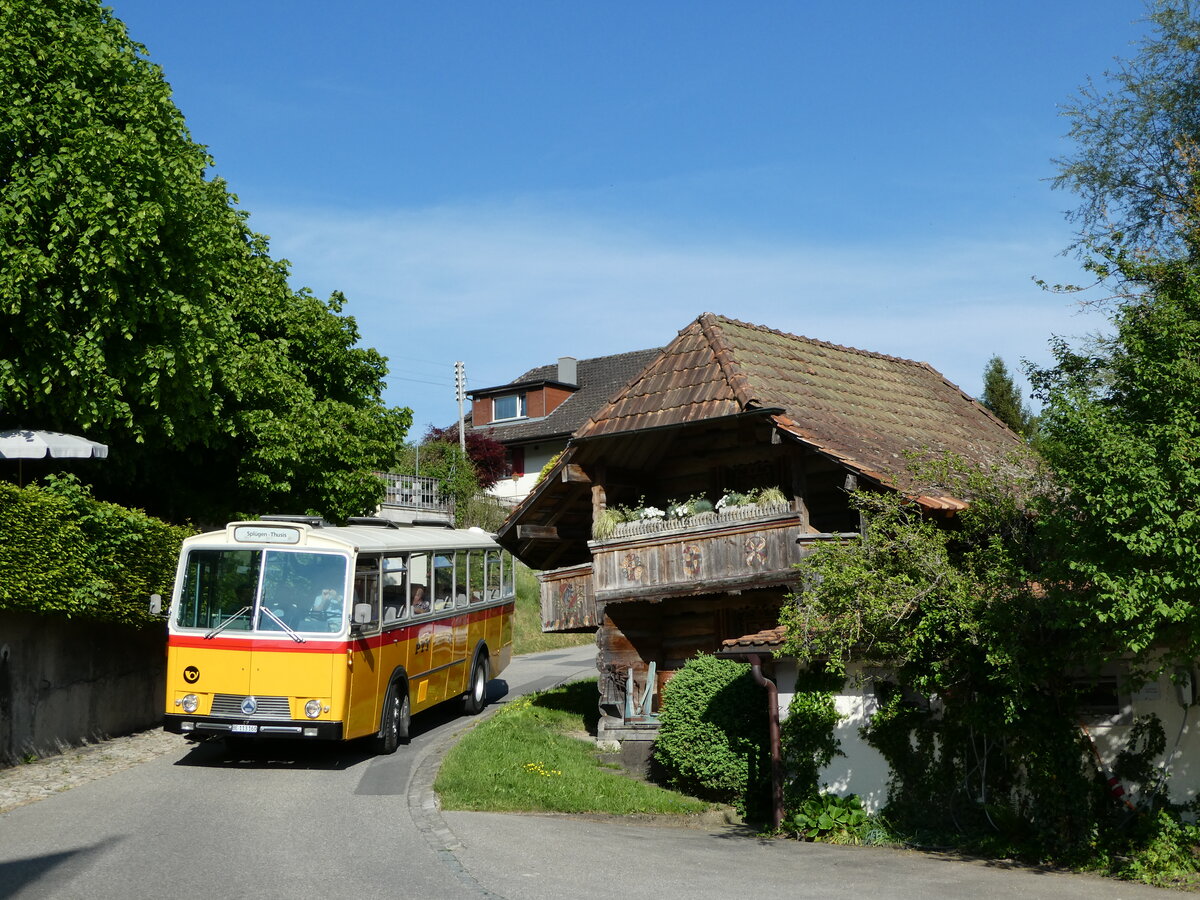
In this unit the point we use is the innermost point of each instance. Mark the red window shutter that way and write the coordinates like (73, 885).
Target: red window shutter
(518, 461)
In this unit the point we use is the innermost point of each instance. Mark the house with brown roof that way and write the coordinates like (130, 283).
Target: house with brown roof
(726, 414)
(535, 414)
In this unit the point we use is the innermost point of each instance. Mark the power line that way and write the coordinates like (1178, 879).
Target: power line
(390, 378)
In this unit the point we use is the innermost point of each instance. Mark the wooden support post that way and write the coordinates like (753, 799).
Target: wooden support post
(800, 489)
(599, 501)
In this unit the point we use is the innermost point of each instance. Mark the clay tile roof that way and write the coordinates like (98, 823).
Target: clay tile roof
(866, 410)
(767, 640)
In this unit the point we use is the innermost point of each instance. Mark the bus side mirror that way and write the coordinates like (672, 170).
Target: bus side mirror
(362, 613)
(156, 604)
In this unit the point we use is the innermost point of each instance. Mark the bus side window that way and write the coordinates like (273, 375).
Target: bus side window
(492, 575)
(395, 590)
(475, 577)
(510, 576)
(418, 583)
(461, 582)
(443, 582)
(366, 590)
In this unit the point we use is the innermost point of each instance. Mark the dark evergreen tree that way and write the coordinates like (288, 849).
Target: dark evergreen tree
(1001, 396)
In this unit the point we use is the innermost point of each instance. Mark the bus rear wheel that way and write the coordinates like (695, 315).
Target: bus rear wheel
(475, 698)
(397, 717)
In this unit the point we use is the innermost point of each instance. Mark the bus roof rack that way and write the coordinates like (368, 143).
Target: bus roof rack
(374, 521)
(433, 523)
(313, 521)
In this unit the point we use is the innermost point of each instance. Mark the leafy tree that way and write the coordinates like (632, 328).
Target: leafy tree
(445, 461)
(1001, 396)
(136, 305)
(1136, 140)
(487, 455)
(1121, 429)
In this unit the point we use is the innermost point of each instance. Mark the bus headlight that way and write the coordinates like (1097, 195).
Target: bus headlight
(190, 703)
(312, 708)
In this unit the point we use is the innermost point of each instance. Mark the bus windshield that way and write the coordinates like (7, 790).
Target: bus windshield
(263, 590)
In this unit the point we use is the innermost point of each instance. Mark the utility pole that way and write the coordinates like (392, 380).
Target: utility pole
(460, 387)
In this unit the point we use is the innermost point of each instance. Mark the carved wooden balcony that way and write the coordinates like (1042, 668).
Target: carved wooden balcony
(734, 549)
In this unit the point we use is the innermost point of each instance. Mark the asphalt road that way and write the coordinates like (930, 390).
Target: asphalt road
(290, 820)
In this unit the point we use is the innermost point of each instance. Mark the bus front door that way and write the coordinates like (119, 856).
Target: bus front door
(364, 702)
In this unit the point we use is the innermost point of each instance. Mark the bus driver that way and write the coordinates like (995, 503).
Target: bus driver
(328, 603)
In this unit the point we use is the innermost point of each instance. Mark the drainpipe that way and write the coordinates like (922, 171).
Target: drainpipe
(773, 735)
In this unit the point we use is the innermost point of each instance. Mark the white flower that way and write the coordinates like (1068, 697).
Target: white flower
(721, 503)
(652, 512)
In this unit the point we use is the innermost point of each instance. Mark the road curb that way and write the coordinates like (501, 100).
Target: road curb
(426, 810)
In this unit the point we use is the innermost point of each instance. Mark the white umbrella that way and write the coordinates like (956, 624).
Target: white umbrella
(27, 443)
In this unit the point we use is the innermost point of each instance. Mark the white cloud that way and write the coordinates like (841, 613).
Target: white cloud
(506, 289)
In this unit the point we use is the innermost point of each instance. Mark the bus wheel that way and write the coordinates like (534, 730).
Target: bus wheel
(476, 696)
(397, 717)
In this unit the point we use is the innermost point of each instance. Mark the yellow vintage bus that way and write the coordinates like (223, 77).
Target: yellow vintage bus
(290, 627)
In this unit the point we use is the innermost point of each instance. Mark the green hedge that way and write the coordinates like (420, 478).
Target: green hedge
(63, 552)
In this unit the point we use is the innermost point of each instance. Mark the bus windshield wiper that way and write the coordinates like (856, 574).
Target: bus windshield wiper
(284, 625)
(221, 627)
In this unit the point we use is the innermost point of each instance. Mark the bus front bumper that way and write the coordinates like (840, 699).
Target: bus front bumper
(276, 728)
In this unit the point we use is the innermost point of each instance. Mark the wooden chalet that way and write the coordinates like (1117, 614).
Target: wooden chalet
(726, 407)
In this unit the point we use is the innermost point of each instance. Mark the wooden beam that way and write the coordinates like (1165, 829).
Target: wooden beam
(574, 473)
(654, 593)
(537, 533)
(576, 501)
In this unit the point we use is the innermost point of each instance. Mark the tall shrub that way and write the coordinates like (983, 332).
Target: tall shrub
(713, 736)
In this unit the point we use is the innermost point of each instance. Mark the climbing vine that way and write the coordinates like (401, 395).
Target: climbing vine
(977, 717)
(807, 734)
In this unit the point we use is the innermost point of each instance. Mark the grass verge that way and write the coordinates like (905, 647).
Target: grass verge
(525, 759)
(527, 621)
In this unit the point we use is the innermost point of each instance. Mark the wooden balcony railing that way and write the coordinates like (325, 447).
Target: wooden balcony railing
(712, 553)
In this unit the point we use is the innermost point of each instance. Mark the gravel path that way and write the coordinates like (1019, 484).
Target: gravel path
(30, 782)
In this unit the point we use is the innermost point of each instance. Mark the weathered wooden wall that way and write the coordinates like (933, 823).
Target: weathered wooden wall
(568, 599)
(634, 633)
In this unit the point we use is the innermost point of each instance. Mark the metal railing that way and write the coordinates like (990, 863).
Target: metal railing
(414, 492)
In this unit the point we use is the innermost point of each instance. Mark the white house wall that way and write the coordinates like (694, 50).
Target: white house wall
(862, 770)
(536, 457)
(1182, 756)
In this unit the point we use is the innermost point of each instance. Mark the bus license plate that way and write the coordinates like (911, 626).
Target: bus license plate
(244, 729)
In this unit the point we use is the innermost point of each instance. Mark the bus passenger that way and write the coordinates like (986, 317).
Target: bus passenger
(420, 602)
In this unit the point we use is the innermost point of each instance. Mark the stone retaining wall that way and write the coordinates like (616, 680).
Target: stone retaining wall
(66, 681)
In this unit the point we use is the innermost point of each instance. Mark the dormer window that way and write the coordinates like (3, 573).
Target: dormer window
(509, 406)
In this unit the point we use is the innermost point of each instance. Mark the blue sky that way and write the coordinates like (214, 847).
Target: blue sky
(507, 183)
